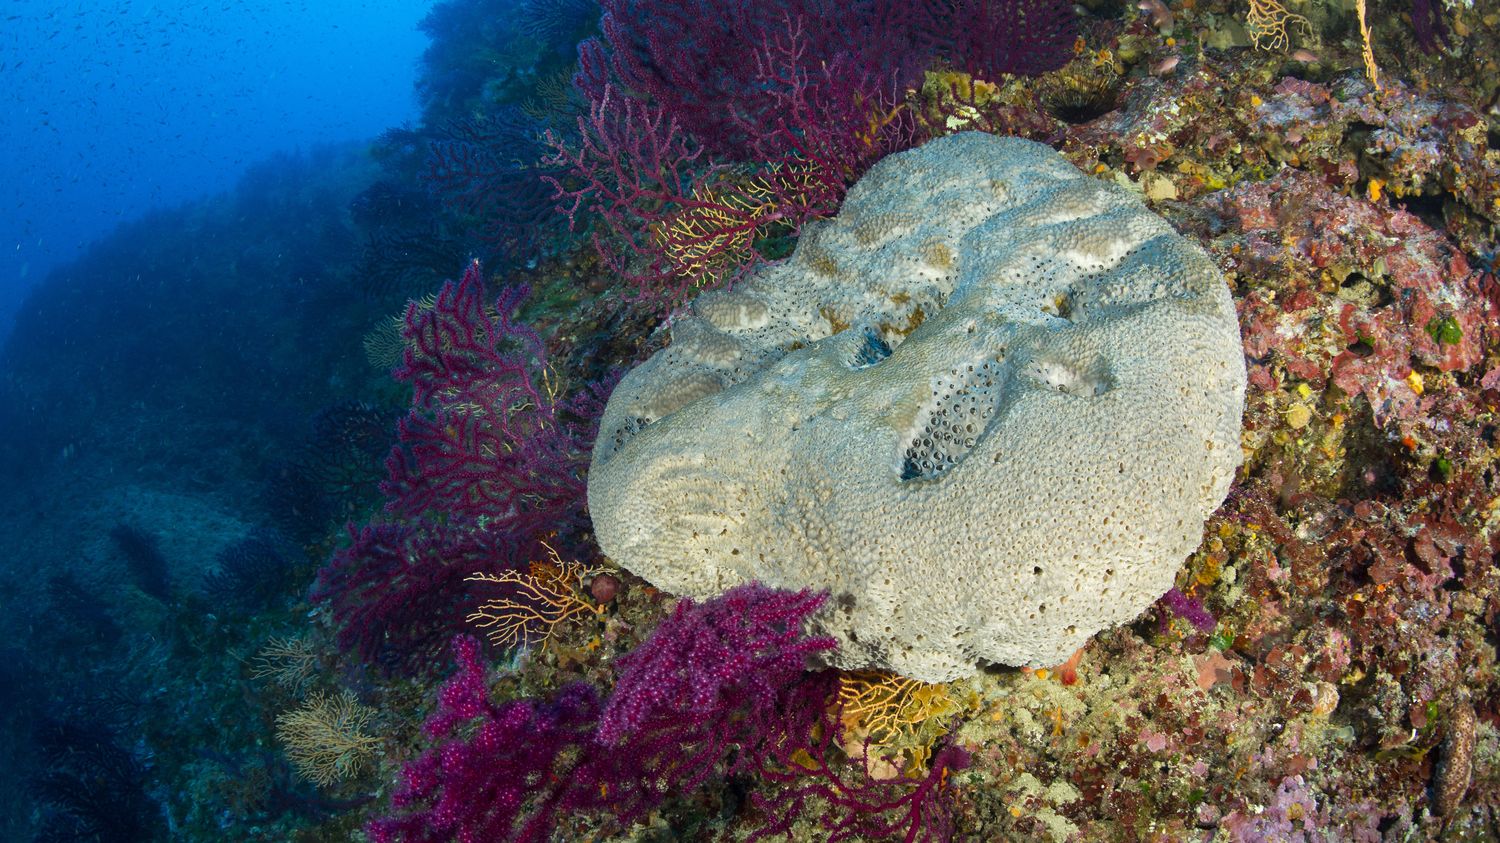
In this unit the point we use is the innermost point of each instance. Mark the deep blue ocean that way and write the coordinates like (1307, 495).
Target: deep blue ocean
(174, 216)
(112, 110)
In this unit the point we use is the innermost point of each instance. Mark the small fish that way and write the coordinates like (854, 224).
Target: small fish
(1165, 66)
(1161, 15)
(1304, 55)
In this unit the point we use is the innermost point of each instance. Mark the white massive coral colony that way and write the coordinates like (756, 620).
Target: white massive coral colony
(989, 407)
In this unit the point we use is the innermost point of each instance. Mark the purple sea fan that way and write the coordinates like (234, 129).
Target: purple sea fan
(702, 61)
(671, 219)
(488, 171)
(833, 121)
(488, 438)
(859, 807)
(455, 349)
(1427, 23)
(698, 59)
(711, 692)
(745, 645)
(397, 592)
(505, 781)
(715, 687)
(994, 37)
(713, 126)
(489, 463)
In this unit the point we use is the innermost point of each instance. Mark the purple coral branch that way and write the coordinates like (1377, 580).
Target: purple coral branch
(873, 810)
(634, 169)
(807, 94)
(702, 61)
(747, 641)
(484, 439)
(394, 592)
(990, 38)
(632, 166)
(806, 769)
(454, 346)
(508, 778)
(489, 462)
(719, 689)
(489, 172)
(708, 692)
(1427, 24)
(832, 119)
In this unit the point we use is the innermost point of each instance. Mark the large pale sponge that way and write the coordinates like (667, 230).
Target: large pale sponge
(989, 407)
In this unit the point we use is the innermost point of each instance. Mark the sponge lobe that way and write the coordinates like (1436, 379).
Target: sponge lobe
(989, 407)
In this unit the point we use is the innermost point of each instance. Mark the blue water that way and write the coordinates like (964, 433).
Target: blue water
(112, 108)
(178, 316)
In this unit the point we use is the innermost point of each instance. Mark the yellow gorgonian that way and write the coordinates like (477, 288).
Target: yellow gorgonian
(536, 602)
(894, 711)
(325, 738)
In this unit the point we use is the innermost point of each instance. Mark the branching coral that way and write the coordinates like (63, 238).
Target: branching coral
(718, 687)
(1267, 22)
(1427, 23)
(892, 711)
(710, 235)
(92, 788)
(811, 780)
(488, 464)
(746, 643)
(533, 605)
(325, 738)
(506, 782)
(672, 221)
(251, 574)
(805, 94)
(489, 172)
(289, 662)
(397, 592)
(383, 344)
(489, 436)
(706, 64)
